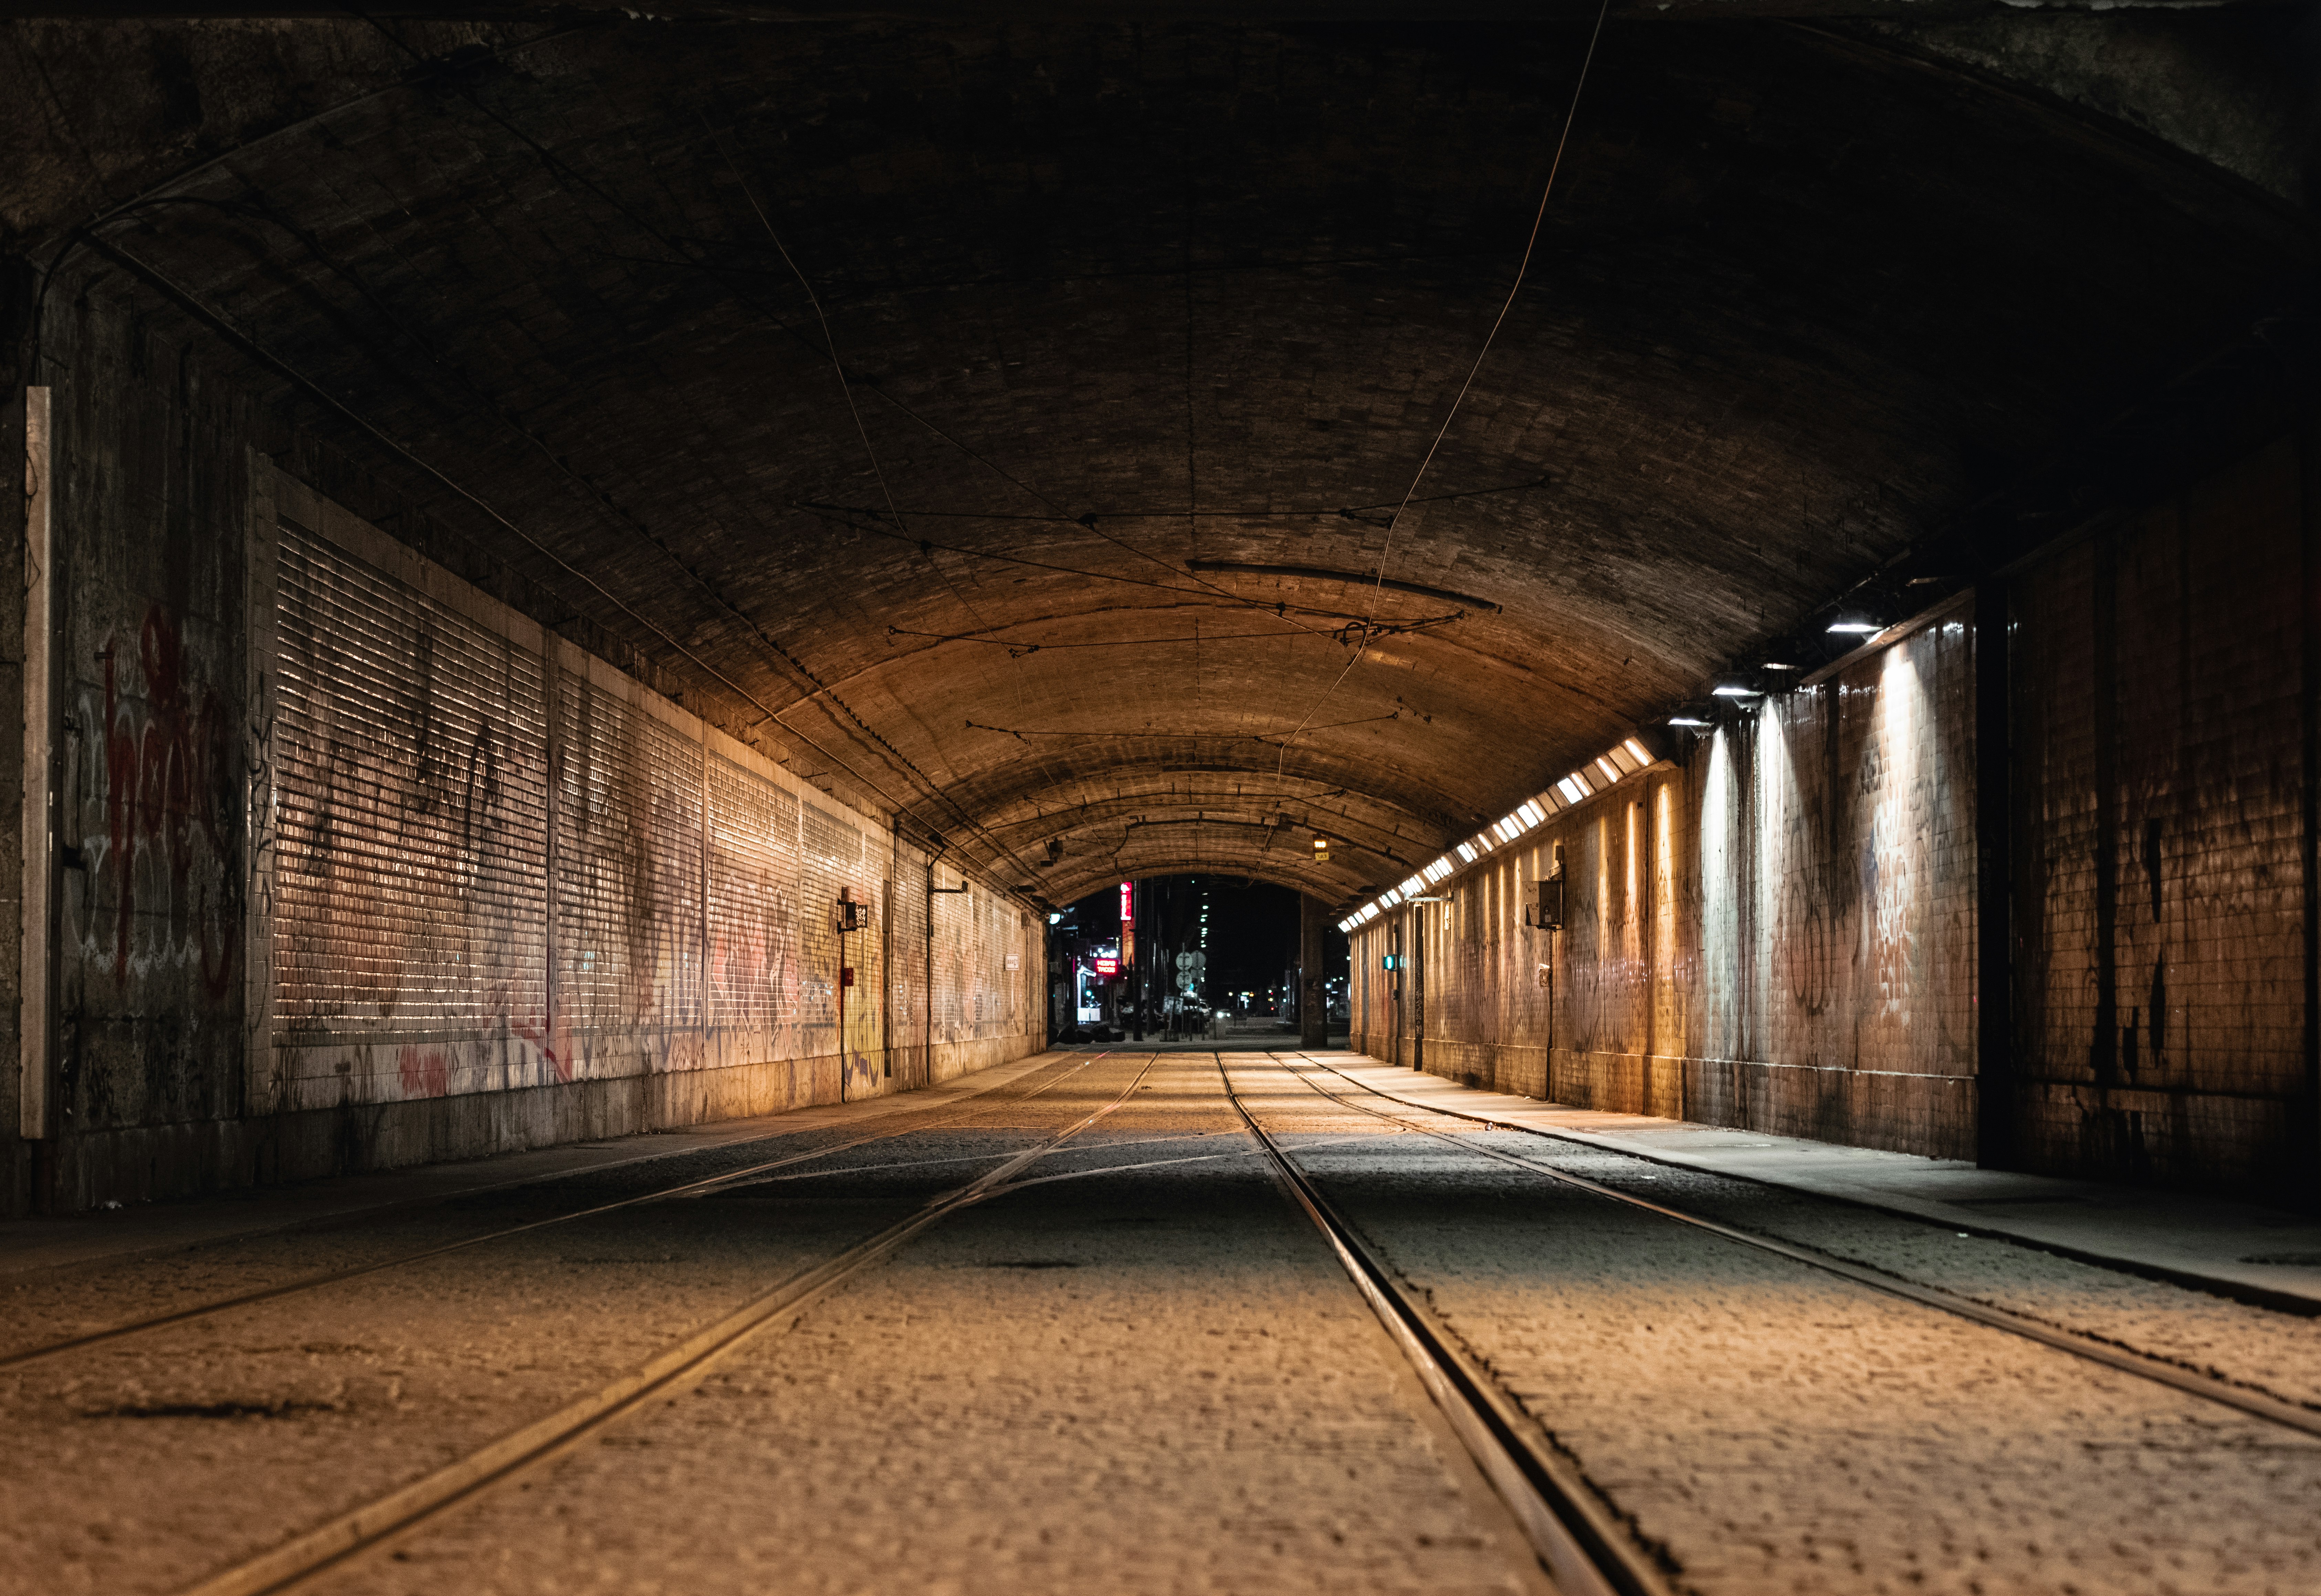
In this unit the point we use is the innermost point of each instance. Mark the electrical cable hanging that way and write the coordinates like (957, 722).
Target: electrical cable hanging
(1523, 268)
(185, 300)
(682, 249)
(838, 367)
(87, 237)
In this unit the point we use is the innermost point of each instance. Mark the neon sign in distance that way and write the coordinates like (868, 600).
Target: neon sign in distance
(1127, 901)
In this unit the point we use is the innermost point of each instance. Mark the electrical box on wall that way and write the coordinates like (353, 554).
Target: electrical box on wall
(1546, 915)
(851, 916)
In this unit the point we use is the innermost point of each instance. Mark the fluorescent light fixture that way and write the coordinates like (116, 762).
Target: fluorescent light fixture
(1624, 760)
(1734, 690)
(1856, 624)
(1685, 721)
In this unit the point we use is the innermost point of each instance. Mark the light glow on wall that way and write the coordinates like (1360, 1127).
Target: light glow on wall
(1604, 771)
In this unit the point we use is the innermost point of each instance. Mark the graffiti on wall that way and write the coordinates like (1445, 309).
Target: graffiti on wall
(493, 868)
(160, 771)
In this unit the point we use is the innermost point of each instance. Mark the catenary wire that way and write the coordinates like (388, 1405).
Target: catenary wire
(1523, 268)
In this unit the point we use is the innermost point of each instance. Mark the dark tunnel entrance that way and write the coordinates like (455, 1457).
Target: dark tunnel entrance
(1196, 958)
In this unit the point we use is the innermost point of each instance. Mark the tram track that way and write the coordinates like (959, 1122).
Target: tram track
(2252, 1401)
(1577, 1536)
(703, 1186)
(291, 1564)
(1588, 1543)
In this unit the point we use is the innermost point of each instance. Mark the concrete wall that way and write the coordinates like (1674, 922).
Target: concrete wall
(359, 866)
(1779, 928)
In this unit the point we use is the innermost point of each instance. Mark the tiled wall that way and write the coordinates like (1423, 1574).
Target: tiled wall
(361, 867)
(1775, 931)
(1778, 930)
(496, 863)
(2160, 895)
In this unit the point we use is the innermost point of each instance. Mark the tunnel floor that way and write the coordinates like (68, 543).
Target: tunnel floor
(1059, 1328)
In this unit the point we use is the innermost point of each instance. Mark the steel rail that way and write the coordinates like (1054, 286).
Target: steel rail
(2232, 1290)
(295, 1560)
(1578, 1537)
(2252, 1401)
(707, 1184)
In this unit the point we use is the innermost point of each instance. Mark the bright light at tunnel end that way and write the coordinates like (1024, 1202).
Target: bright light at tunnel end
(1591, 778)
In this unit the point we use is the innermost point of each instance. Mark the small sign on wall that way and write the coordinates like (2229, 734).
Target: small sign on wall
(1014, 961)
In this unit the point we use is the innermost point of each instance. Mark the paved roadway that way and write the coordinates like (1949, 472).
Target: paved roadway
(1134, 1366)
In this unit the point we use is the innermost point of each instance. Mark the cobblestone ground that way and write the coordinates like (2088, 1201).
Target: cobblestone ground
(1776, 1428)
(1149, 1380)
(1139, 1369)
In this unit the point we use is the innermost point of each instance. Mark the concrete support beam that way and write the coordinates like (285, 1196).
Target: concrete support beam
(1313, 997)
(36, 1113)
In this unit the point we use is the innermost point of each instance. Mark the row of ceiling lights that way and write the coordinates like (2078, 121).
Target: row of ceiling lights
(1858, 626)
(1599, 773)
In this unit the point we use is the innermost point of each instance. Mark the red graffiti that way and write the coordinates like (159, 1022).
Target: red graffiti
(557, 1049)
(164, 788)
(426, 1072)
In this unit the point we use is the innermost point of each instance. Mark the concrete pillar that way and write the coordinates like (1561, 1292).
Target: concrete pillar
(1313, 1000)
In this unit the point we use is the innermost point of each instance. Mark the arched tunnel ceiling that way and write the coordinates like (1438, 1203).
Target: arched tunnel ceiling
(1150, 327)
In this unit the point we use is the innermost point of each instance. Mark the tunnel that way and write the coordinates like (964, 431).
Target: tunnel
(996, 797)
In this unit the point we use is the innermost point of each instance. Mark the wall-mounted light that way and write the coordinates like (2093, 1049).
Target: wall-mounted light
(1736, 690)
(1854, 623)
(1686, 721)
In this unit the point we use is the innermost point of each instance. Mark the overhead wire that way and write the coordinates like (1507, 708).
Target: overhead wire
(597, 497)
(1523, 268)
(77, 237)
(1293, 513)
(675, 246)
(838, 367)
(1021, 648)
(562, 170)
(845, 517)
(219, 322)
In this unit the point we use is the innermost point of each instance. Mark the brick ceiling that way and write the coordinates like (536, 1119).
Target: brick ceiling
(1125, 307)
